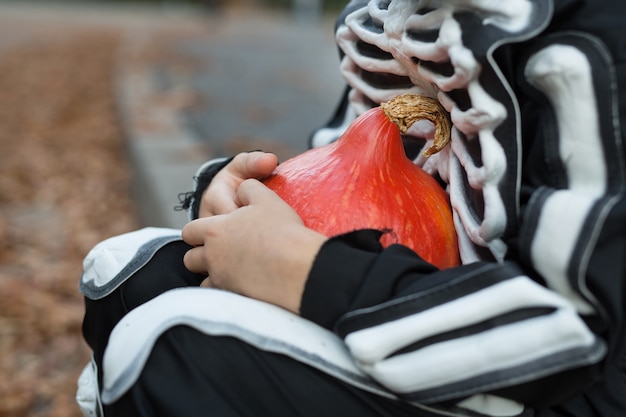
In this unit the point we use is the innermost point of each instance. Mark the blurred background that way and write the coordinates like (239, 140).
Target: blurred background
(106, 110)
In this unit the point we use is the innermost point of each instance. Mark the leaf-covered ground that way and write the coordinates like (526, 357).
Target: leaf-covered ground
(64, 186)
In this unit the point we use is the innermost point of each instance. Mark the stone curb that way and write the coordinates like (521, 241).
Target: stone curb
(163, 152)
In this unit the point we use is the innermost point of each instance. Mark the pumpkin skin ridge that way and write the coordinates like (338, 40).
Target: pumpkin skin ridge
(322, 172)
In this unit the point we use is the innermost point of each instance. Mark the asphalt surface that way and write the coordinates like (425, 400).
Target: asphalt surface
(257, 80)
(235, 80)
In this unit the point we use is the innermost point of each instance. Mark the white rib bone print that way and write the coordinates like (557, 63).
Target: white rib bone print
(399, 46)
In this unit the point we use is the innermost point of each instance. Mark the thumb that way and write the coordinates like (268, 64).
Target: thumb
(253, 165)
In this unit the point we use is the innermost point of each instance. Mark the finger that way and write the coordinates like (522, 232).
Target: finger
(194, 232)
(220, 201)
(195, 261)
(263, 164)
(253, 191)
(253, 165)
(207, 283)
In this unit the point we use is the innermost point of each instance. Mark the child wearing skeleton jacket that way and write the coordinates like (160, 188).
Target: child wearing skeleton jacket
(531, 324)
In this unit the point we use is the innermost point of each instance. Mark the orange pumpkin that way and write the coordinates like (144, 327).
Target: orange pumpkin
(365, 180)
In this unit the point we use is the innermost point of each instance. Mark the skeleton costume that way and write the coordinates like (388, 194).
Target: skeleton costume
(533, 322)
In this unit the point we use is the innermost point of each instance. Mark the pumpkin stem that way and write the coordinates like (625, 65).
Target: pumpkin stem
(406, 109)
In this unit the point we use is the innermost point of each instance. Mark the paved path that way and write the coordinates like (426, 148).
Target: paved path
(244, 80)
(230, 82)
(266, 79)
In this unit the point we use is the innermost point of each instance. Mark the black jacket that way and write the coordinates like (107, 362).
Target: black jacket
(536, 178)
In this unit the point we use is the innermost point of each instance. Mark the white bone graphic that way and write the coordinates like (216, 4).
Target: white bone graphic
(406, 42)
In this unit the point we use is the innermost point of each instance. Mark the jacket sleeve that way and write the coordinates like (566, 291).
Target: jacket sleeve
(433, 336)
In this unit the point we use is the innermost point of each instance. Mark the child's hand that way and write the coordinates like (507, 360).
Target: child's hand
(259, 247)
(219, 197)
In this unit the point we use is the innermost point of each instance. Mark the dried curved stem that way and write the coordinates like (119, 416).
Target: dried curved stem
(406, 109)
